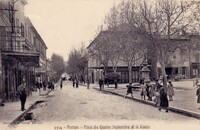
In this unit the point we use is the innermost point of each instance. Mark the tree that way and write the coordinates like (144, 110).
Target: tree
(77, 63)
(58, 65)
(160, 22)
(102, 49)
(131, 50)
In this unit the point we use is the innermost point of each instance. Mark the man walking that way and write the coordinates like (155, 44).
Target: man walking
(115, 82)
(100, 83)
(61, 83)
(22, 90)
(88, 83)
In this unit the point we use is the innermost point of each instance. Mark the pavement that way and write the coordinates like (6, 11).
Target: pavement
(185, 99)
(12, 110)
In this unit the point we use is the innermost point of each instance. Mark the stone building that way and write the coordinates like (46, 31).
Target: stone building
(96, 69)
(184, 62)
(20, 53)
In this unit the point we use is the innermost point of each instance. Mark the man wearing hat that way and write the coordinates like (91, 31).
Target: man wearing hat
(22, 90)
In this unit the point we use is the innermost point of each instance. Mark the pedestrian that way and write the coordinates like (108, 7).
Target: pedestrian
(142, 81)
(150, 91)
(61, 83)
(73, 82)
(143, 92)
(164, 104)
(198, 93)
(22, 91)
(115, 82)
(195, 83)
(77, 83)
(158, 85)
(170, 91)
(157, 98)
(37, 85)
(44, 86)
(88, 83)
(129, 90)
(50, 86)
(100, 83)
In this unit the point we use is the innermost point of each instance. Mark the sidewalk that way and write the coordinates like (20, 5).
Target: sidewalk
(12, 110)
(185, 99)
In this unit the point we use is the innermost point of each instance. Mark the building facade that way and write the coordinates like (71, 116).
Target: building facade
(96, 69)
(20, 53)
(184, 62)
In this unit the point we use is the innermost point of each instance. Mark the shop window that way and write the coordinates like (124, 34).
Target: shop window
(194, 72)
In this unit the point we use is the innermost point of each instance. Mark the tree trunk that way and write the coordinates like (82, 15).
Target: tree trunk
(114, 69)
(189, 69)
(129, 73)
(163, 74)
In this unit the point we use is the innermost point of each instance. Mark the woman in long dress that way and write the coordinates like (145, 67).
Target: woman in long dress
(170, 91)
(164, 104)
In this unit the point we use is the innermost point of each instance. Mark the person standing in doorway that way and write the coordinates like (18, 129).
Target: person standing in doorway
(22, 90)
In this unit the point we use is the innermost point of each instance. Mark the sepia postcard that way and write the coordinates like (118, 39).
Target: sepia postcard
(100, 64)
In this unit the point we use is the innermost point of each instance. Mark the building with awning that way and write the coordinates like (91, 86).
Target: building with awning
(22, 50)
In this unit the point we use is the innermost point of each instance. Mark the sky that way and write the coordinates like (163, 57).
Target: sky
(65, 24)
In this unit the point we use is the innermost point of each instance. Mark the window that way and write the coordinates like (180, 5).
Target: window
(17, 24)
(22, 29)
(194, 72)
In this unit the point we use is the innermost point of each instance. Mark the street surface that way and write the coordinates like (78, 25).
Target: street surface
(82, 104)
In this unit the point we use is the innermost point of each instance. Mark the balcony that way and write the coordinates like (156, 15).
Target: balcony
(20, 50)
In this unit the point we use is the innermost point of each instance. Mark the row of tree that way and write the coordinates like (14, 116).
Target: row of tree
(77, 63)
(58, 66)
(75, 66)
(134, 27)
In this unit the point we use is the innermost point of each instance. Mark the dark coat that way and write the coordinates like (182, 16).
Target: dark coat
(198, 95)
(129, 88)
(22, 91)
(163, 99)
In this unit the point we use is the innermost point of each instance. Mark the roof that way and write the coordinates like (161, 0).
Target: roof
(112, 34)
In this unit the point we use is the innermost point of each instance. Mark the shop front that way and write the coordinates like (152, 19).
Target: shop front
(17, 67)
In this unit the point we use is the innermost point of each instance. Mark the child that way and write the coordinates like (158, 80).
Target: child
(129, 90)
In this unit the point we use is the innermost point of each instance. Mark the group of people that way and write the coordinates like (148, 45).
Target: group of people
(40, 85)
(23, 91)
(154, 91)
(75, 83)
(101, 83)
